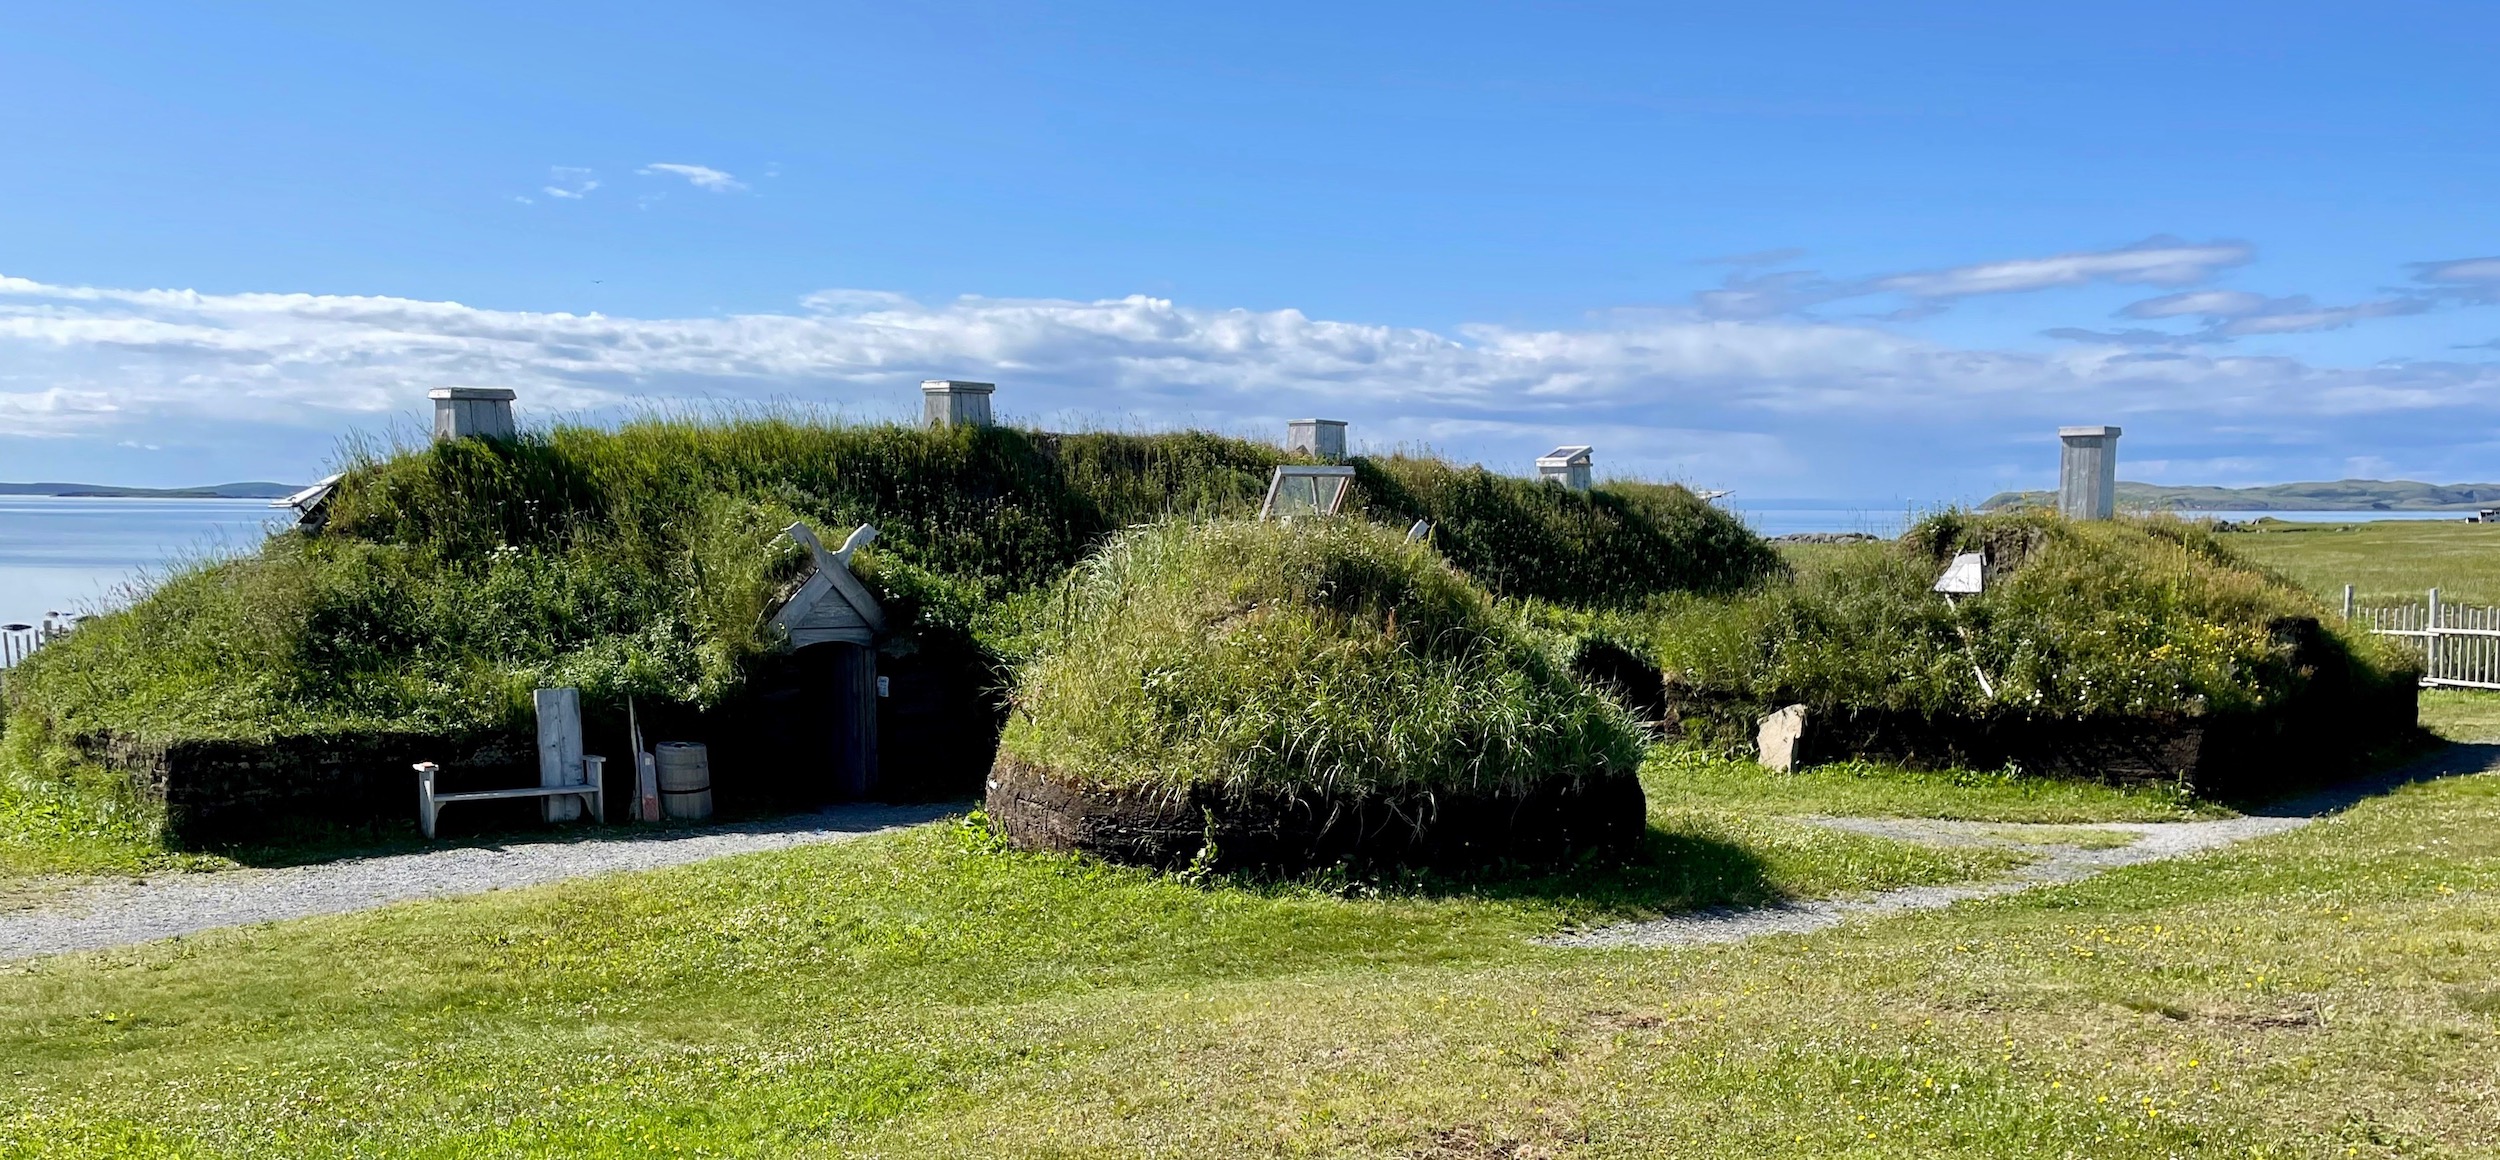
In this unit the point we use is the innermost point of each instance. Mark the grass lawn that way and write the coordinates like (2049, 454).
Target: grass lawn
(1688, 778)
(2395, 561)
(2386, 561)
(75, 820)
(2326, 992)
(2462, 714)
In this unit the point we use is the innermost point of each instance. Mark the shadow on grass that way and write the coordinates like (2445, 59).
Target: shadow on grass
(1673, 872)
(310, 843)
(2441, 760)
(1667, 872)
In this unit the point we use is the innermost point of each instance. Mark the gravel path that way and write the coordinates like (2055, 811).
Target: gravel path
(94, 916)
(97, 915)
(2156, 841)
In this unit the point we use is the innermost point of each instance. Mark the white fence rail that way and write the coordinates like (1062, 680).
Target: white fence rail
(2459, 643)
(19, 641)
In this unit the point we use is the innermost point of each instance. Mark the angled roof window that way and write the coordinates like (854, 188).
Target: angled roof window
(1297, 490)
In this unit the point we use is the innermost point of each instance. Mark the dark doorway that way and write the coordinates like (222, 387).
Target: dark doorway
(939, 717)
(814, 732)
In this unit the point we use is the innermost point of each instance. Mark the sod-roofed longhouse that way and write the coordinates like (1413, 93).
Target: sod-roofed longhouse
(1279, 695)
(649, 562)
(2127, 650)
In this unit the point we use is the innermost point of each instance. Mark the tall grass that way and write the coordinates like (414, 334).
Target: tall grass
(2118, 617)
(1329, 656)
(1615, 546)
(452, 578)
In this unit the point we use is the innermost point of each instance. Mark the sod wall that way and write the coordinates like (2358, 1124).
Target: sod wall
(1261, 828)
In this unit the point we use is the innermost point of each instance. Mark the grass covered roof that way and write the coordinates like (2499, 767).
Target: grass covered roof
(2078, 619)
(1332, 656)
(453, 578)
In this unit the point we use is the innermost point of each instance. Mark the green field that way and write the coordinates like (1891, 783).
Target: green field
(2322, 993)
(2387, 561)
(2326, 992)
(2384, 560)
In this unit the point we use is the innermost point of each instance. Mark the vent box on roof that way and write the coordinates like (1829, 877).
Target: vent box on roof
(1321, 439)
(956, 403)
(460, 412)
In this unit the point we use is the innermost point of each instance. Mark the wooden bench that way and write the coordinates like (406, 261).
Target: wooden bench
(430, 804)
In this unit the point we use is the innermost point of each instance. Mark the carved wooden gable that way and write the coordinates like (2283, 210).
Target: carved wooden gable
(831, 606)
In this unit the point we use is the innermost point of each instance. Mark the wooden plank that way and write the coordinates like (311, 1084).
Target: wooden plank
(485, 795)
(855, 745)
(832, 607)
(853, 591)
(801, 601)
(835, 568)
(560, 748)
(427, 807)
(829, 616)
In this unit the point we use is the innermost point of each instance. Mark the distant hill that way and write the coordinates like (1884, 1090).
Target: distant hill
(255, 490)
(2343, 495)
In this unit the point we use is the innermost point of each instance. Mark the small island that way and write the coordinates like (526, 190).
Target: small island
(251, 490)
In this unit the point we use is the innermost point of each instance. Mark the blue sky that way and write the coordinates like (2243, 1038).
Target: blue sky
(1865, 251)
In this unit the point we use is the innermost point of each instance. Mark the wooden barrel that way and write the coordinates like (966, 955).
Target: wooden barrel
(685, 780)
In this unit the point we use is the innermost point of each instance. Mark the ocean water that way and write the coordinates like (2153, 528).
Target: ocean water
(1785, 517)
(80, 555)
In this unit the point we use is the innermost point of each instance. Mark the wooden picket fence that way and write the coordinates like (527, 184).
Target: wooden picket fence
(2459, 643)
(19, 641)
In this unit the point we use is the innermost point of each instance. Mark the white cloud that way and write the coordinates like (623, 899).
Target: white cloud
(2297, 315)
(1774, 295)
(567, 183)
(2471, 279)
(2237, 314)
(703, 176)
(2160, 261)
(2232, 468)
(2198, 303)
(2467, 270)
(1657, 391)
